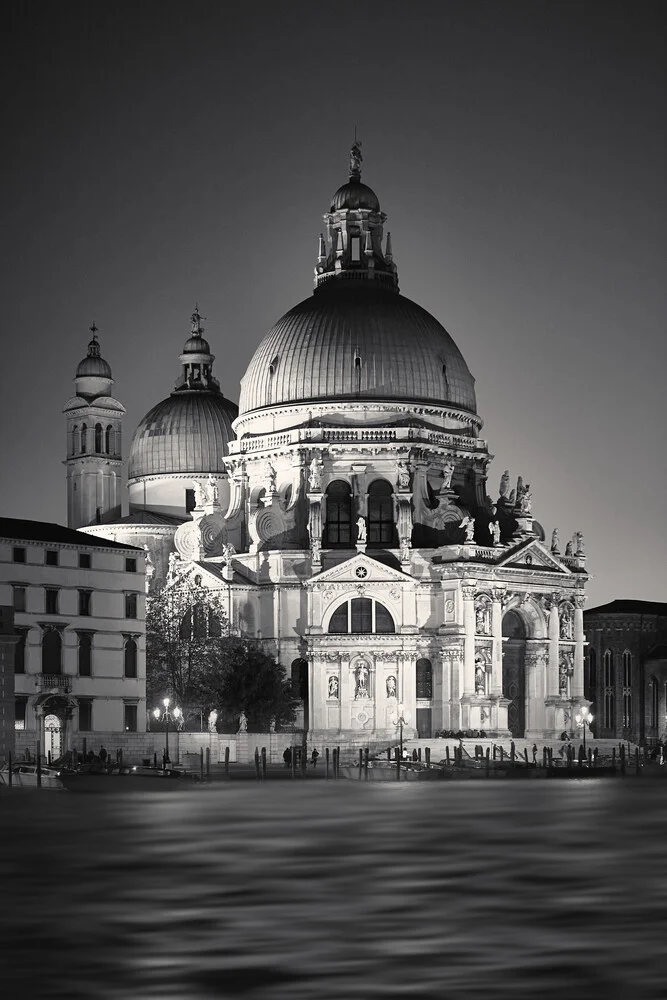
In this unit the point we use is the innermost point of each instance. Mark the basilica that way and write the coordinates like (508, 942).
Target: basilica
(344, 511)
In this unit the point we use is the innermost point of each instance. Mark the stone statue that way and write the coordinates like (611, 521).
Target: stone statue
(200, 495)
(150, 569)
(403, 473)
(578, 543)
(212, 491)
(504, 483)
(480, 621)
(562, 676)
(555, 542)
(361, 529)
(519, 489)
(566, 625)
(171, 572)
(272, 725)
(212, 721)
(316, 549)
(447, 473)
(494, 529)
(468, 525)
(480, 677)
(391, 686)
(404, 549)
(356, 159)
(270, 478)
(362, 681)
(568, 549)
(525, 500)
(228, 551)
(315, 476)
(333, 686)
(243, 723)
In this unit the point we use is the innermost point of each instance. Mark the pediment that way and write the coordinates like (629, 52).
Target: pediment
(533, 554)
(359, 567)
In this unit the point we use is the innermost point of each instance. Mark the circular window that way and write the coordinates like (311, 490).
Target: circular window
(198, 580)
(361, 572)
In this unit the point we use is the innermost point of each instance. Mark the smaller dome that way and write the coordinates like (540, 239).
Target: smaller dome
(354, 194)
(93, 364)
(196, 345)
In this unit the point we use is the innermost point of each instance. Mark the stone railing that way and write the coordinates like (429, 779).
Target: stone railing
(303, 435)
(54, 682)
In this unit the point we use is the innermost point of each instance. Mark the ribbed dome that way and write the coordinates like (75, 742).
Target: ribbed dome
(196, 345)
(93, 364)
(187, 432)
(311, 353)
(354, 194)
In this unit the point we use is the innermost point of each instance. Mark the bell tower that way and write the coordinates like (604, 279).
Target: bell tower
(94, 463)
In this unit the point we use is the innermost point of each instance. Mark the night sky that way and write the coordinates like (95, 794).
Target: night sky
(159, 154)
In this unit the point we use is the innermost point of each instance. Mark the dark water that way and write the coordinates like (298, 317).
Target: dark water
(330, 891)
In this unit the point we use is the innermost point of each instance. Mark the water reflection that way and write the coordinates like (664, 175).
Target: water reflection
(330, 891)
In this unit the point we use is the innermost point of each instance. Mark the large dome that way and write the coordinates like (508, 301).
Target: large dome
(355, 340)
(186, 433)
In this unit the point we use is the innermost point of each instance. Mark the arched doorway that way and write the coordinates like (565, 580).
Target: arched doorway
(299, 677)
(53, 737)
(514, 671)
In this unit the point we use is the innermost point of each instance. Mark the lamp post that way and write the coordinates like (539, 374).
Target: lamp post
(166, 717)
(401, 718)
(583, 718)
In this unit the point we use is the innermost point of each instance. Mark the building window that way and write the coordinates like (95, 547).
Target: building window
(609, 710)
(627, 669)
(85, 597)
(361, 616)
(130, 721)
(424, 674)
(190, 502)
(130, 605)
(83, 438)
(75, 438)
(130, 657)
(339, 515)
(381, 527)
(84, 560)
(51, 557)
(20, 708)
(51, 601)
(627, 709)
(98, 438)
(130, 565)
(18, 598)
(85, 654)
(109, 440)
(18, 554)
(592, 668)
(52, 645)
(19, 650)
(199, 622)
(355, 250)
(85, 715)
(608, 668)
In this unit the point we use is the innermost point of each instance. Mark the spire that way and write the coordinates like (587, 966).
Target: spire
(321, 250)
(388, 255)
(94, 346)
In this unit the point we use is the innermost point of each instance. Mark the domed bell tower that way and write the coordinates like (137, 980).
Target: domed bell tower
(94, 463)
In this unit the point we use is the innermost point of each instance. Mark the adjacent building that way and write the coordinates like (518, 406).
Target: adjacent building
(79, 619)
(626, 669)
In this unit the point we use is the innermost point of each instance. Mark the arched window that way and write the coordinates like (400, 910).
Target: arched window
(592, 667)
(361, 616)
(83, 438)
(98, 438)
(608, 668)
(109, 443)
(339, 515)
(52, 645)
(424, 674)
(75, 438)
(199, 623)
(381, 526)
(609, 709)
(130, 658)
(627, 669)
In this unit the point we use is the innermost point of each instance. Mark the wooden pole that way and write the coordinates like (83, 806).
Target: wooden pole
(488, 761)
(39, 767)
(398, 764)
(263, 763)
(293, 761)
(366, 755)
(9, 771)
(427, 755)
(637, 761)
(227, 762)
(447, 753)
(361, 762)
(326, 764)
(257, 763)
(208, 763)
(201, 763)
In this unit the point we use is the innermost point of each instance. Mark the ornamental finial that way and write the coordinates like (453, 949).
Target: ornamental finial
(355, 159)
(197, 328)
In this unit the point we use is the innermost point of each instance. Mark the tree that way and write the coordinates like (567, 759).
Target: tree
(193, 658)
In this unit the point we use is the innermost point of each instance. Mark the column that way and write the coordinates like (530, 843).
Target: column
(497, 645)
(552, 668)
(578, 678)
(346, 692)
(311, 700)
(468, 590)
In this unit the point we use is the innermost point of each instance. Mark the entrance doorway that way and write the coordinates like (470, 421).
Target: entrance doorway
(424, 723)
(299, 674)
(514, 672)
(53, 737)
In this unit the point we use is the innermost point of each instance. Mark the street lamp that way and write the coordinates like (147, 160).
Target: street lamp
(583, 718)
(166, 717)
(400, 718)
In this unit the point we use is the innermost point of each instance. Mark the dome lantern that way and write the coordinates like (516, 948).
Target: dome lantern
(93, 374)
(196, 359)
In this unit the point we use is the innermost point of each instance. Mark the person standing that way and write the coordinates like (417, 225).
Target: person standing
(287, 757)
(313, 757)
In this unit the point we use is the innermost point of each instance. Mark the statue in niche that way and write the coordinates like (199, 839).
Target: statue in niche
(332, 686)
(555, 542)
(150, 569)
(504, 483)
(481, 620)
(447, 473)
(315, 475)
(243, 723)
(361, 689)
(563, 673)
(316, 549)
(361, 529)
(468, 525)
(480, 677)
(566, 624)
(212, 721)
(403, 474)
(494, 529)
(391, 686)
(405, 549)
(568, 549)
(578, 541)
(525, 499)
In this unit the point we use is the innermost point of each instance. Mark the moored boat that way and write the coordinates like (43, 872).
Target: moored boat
(24, 775)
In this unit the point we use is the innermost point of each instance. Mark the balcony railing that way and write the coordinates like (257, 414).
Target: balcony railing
(54, 682)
